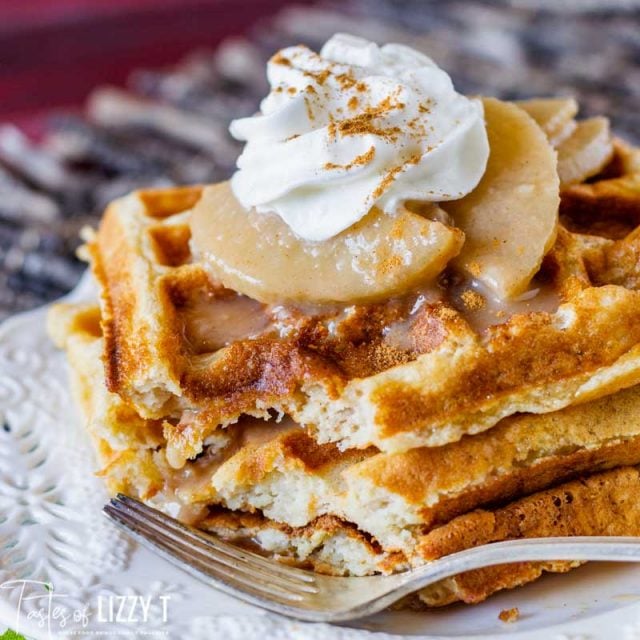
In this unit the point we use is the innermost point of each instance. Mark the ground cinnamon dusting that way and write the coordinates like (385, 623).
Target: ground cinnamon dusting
(385, 356)
(362, 159)
(389, 265)
(280, 59)
(346, 80)
(332, 127)
(309, 109)
(389, 178)
(319, 76)
(386, 182)
(445, 313)
(363, 123)
(474, 269)
(472, 300)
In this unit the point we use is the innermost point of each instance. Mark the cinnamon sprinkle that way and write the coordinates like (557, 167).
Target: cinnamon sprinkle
(278, 58)
(364, 158)
(319, 76)
(386, 182)
(417, 128)
(474, 269)
(310, 113)
(389, 265)
(425, 107)
(386, 356)
(363, 123)
(391, 175)
(472, 300)
(346, 80)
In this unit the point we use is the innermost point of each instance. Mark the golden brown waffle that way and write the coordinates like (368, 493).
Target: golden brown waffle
(397, 497)
(360, 512)
(131, 454)
(417, 411)
(339, 370)
(605, 504)
(602, 504)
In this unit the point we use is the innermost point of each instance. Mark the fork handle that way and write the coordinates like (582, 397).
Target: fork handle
(578, 548)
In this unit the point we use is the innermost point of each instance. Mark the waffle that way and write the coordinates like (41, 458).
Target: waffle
(431, 424)
(338, 371)
(603, 504)
(131, 453)
(364, 512)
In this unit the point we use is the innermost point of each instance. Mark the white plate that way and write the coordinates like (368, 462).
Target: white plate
(52, 530)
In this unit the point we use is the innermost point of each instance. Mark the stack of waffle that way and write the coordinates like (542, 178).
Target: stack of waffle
(450, 435)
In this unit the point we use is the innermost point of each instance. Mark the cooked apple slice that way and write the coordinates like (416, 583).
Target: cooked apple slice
(584, 148)
(554, 115)
(585, 152)
(258, 255)
(510, 218)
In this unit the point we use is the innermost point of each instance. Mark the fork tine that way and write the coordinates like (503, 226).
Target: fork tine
(204, 547)
(211, 542)
(231, 581)
(207, 555)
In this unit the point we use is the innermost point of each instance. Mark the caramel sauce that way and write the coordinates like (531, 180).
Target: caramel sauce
(212, 322)
(192, 514)
(486, 311)
(476, 306)
(254, 431)
(195, 476)
(398, 335)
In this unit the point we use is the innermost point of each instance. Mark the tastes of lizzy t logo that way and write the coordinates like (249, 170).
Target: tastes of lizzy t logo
(51, 615)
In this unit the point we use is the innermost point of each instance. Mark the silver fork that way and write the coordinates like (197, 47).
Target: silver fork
(309, 596)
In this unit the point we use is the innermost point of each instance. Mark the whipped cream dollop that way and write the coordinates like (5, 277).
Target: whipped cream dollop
(352, 127)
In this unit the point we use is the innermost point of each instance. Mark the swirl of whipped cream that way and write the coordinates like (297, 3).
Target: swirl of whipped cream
(356, 126)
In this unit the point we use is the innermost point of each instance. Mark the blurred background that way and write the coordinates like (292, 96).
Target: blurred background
(98, 97)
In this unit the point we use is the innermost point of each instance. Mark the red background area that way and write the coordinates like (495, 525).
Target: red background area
(53, 52)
